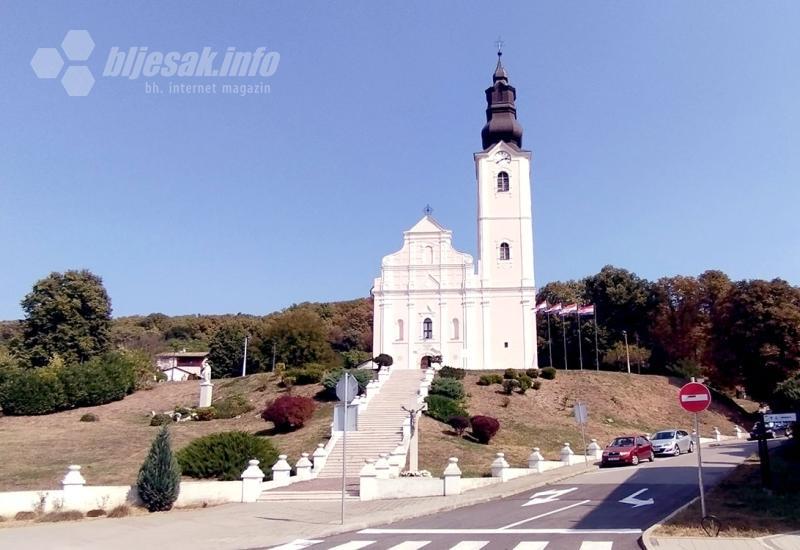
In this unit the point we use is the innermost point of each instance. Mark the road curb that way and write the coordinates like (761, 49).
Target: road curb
(644, 540)
(339, 529)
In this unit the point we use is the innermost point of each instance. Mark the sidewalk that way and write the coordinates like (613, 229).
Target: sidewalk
(263, 524)
(775, 542)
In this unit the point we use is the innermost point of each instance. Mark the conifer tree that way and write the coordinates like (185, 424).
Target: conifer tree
(160, 476)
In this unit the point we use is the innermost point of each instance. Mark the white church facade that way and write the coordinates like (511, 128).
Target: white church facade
(434, 303)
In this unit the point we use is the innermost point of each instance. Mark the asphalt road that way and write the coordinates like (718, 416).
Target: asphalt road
(600, 510)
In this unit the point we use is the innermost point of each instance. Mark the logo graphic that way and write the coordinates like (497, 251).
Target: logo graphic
(77, 80)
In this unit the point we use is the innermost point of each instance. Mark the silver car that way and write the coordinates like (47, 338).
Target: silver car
(672, 442)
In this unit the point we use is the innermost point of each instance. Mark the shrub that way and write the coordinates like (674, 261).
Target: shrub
(548, 373)
(160, 419)
(509, 385)
(536, 384)
(96, 513)
(160, 476)
(510, 374)
(489, 379)
(312, 373)
(448, 387)
(452, 372)
(443, 408)
(232, 406)
(354, 358)
(225, 455)
(383, 360)
(22, 516)
(458, 423)
(525, 383)
(89, 417)
(34, 391)
(363, 377)
(484, 428)
(121, 511)
(63, 515)
(289, 412)
(204, 414)
(533, 373)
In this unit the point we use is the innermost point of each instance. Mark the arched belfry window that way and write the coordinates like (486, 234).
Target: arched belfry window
(400, 334)
(428, 254)
(427, 329)
(455, 329)
(502, 182)
(505, 251)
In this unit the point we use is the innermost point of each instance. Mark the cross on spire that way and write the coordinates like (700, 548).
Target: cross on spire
(428, 210)
(499, 43)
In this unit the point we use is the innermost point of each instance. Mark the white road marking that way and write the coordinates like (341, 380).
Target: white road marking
(596, 545)
(548, 496)
(470, 545)
(551, 512)
(691, 397)
(631, 499)
(531, 545)
(410, 545)
(298, 544)
(353, 545)
(500, 531)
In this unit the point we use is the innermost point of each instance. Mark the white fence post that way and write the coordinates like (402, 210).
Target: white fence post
(319, 457)
(717, 435)
(738, 431)
(252, 478)
(303, 467)
(566, 454)
(594, 450)
(367, 484)
(382, 466)
(535, 460)
(500, 467)
(452, 478)
(73, 484)
(397, 461)
(281, 471)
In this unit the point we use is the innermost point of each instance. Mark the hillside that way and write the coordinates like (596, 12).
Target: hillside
(38, 449)
(617, 403)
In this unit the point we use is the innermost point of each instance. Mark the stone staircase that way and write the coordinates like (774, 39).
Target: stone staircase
(379, 427)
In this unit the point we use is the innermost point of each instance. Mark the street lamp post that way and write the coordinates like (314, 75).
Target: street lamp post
(627, 353)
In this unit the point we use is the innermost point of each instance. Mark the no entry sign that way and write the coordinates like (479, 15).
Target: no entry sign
(694, 397)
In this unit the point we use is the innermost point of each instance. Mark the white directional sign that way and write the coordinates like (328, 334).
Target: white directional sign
(636, 502)
(581, 413)
(548, 496)
(780, 417)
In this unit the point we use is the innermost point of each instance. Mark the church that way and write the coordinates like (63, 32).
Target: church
(433, 304)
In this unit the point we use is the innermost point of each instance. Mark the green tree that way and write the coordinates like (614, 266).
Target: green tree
(618, 356)
(226, 352)
(160, 475)
(67, 314)
(299, 336)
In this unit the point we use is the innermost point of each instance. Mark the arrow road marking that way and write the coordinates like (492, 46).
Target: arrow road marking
(548, 496)
(511, 525)
(631, 499)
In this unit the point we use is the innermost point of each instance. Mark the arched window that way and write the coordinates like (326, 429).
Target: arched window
(455, 329)
(400, 335)
(427, 329)
(502, 182)
(505, 251)
(428, 254)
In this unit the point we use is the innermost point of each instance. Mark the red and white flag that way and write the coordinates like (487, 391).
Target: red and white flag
(554, 309)
(586, 310)
(571, 308)
(541, 307)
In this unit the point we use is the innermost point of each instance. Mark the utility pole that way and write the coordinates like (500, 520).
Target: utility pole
(273, 357)
(244, 360)
(627, 353)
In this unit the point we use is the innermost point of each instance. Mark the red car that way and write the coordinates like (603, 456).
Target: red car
(628, 449)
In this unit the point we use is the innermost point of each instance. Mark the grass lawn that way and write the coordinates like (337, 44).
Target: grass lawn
(744, 508)
(617, 403)
(36, 450)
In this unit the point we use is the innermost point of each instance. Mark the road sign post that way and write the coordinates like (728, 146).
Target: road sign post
(581, 416)
(346, 390)
(695, 398)
(763, 452)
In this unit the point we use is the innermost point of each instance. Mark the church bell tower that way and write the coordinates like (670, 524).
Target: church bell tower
(505, 232)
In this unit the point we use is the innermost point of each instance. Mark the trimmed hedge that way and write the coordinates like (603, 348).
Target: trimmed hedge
(225, 455)
(232, 406)
(47, 390)
(484, 428)
(511, 374)
(448, 387)
(452, 372)
(311, 373)
(489, 379)
(548, 373)
(443, 408)
(533, 373)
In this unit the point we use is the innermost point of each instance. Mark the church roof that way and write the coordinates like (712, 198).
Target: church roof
(427, 225)
(501, 110)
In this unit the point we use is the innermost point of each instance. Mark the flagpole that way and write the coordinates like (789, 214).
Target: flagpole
(596, 353)
(549, 340)
(564, 334)
(580, 344)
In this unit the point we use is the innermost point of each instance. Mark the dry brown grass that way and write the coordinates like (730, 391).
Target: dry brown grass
(618, 404)
(64, 515)
(38, 449)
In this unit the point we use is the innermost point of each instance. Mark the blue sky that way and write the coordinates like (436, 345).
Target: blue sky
(666, 139)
